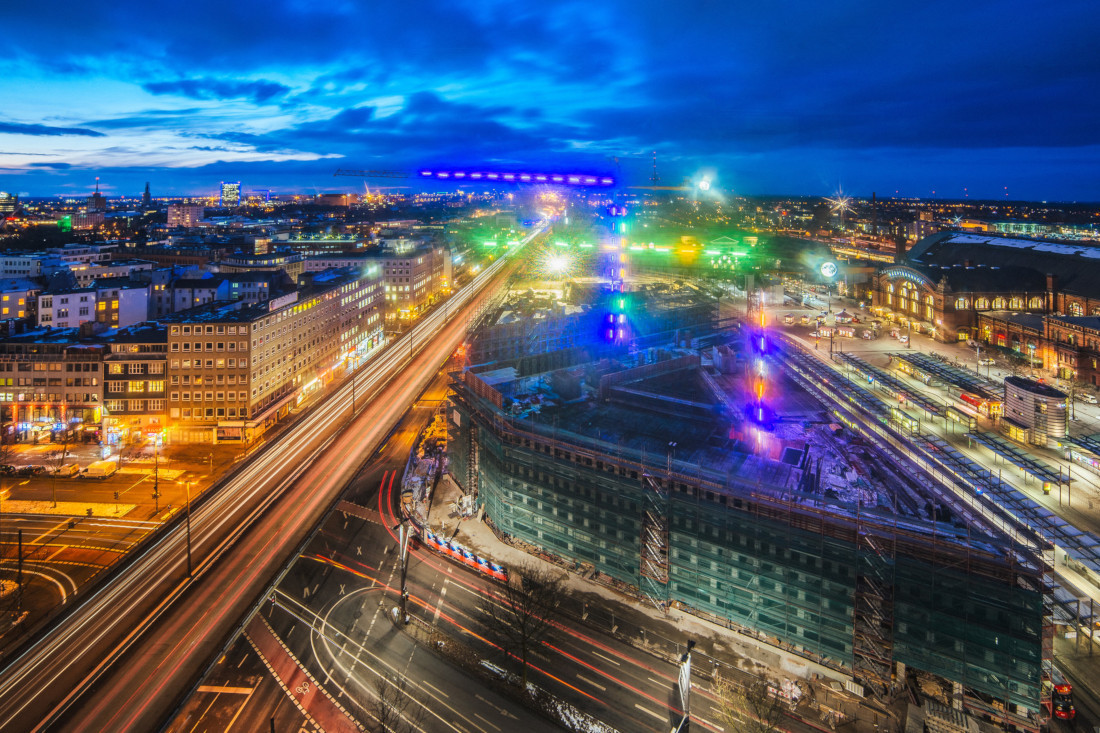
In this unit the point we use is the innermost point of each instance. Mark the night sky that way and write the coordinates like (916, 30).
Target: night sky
(791, 97)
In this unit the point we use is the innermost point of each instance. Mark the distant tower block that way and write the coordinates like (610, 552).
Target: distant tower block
(146, 198)
(230, 193)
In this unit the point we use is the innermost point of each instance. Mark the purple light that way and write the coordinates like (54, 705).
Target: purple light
(522, 177)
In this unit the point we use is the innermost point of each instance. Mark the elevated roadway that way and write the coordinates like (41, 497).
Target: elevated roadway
(123, 657)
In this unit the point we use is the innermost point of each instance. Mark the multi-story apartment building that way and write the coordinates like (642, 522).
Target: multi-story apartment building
(50, 382)
(20, 264)
(135, 366)
(235, 369)
(185, 215)
(413, 280)
(115, 304)
(291, 263)
(88, 272)
(18, 298)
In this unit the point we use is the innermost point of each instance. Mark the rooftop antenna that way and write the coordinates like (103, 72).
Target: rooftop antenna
(97, 184)
(655, 177)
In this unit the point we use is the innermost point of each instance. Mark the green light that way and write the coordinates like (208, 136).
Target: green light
(738, 254)
(586, 245)
(490, 243)
(636, 247)
(622, 303)
(562, 244)
(712, 252)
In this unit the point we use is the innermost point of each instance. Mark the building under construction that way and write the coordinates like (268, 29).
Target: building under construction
(535, 331)
(644, 468)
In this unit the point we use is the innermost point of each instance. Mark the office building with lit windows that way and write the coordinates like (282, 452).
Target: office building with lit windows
(235, 369)
(230, 193)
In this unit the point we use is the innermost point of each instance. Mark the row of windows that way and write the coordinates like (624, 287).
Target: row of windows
(210, 346)
(135, 386)
(221, 329)
(136, 368)
(209, 363)
(199, 413)
(210, 396)
(1000, 303)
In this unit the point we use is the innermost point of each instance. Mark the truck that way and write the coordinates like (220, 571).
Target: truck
(100, 469)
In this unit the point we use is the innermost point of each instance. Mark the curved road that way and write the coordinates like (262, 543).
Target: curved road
(137, 642)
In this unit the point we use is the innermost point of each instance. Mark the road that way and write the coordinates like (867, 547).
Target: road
(137, 638)
(335, 628)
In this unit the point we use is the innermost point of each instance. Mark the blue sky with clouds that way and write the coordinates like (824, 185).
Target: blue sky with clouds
(773, 97)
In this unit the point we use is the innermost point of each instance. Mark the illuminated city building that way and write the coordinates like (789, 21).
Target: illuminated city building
(50, 381)
(185, 215)
(235, 369)
(292, 263)
(9, 203)
(1035, 412)
(230, 194)
(134, 375)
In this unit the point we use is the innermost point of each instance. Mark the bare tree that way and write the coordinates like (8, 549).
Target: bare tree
(525, 609)
(750, 707)
(393, 709)
(58, 460)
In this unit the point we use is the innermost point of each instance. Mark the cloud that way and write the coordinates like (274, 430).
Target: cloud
(15, 128)
(53, 166)
(260, 91)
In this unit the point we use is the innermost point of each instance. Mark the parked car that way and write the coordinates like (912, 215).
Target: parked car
(1086, 397)
(30, 470)
(986, 361)
(67, 471)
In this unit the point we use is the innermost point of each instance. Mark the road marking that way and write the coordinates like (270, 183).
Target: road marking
(220, 689)
(594, 684)
(650, 712)
(429, 684)
(57, 552)
(656, 681)
(709, 724)
(486, 722)
(439, 606)
(52, 529)
(607, 659)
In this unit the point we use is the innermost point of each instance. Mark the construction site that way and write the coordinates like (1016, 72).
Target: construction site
(638, 460)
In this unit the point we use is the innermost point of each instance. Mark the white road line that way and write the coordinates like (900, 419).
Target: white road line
(650, 712)
(429, 684)
(709, 724)
(607, 659)
(56, 552)
(656, 681)
(486, 722)
(597, 685)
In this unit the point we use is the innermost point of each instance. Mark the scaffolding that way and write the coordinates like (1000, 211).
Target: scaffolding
(654, 543)
(854, 589)
(873, 620)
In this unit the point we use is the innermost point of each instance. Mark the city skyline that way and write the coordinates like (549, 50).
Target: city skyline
(984, 101)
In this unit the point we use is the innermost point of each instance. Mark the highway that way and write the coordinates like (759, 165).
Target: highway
(136, 641)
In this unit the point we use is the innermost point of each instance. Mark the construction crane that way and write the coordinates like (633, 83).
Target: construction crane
(370, 173)
(654, 179)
